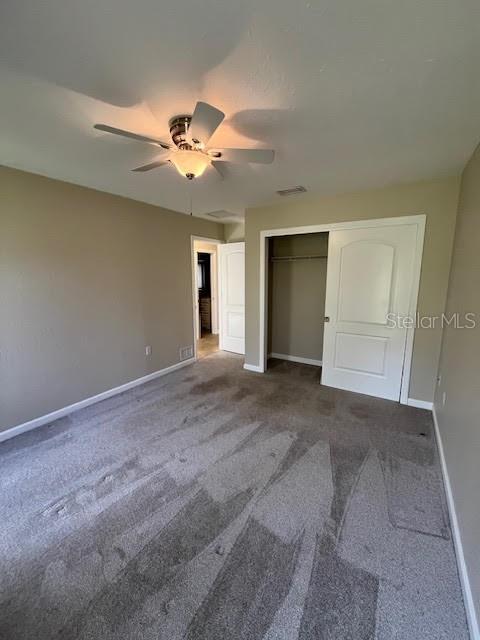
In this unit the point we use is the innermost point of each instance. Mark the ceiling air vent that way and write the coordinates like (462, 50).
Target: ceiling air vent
(218, 214)
(225, 215)
(292, 191)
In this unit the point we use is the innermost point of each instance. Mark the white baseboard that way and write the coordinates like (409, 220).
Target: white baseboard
(420, 404)
(284, 356)
(253, 367)
(60, 413)
(457, 539)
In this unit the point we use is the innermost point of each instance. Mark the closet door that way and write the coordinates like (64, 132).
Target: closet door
(369, 276)
(232, 296)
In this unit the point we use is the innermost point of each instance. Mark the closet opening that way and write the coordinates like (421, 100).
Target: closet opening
(297, 277)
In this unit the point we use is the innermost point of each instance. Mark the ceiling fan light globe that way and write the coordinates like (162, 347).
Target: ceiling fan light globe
(190, 163)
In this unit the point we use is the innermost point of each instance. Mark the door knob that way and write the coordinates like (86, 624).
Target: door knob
(326, 319)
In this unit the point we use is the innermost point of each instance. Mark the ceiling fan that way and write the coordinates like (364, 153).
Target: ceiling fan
(189, 152)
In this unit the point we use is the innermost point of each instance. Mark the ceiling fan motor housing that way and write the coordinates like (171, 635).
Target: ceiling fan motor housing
(178, 130)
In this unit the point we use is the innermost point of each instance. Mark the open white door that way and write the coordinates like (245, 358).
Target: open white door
(232, 296)
(369, 276)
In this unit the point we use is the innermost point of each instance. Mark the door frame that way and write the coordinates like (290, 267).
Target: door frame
(214, 267)
(419, 220)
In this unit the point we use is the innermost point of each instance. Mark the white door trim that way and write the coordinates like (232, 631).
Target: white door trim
(214, 284)
(418, 220)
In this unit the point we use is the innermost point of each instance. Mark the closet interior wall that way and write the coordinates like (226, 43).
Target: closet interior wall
(296, 306)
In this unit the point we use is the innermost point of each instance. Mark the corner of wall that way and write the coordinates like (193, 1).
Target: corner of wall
(234, 231)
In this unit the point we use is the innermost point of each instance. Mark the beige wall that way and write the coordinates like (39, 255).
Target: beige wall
(459, 419)
(438, 200)
(87, 280)
(235, 232)
(297, 296)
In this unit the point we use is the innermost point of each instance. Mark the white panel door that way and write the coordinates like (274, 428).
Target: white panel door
(232, 296)
(369, 276)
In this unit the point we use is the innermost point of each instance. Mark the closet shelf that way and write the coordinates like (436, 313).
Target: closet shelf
(291, 258)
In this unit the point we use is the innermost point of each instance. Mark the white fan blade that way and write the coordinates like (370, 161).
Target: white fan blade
(240, 156)
(152, 165)
(130, 134)
(220, 169)
(205, 121)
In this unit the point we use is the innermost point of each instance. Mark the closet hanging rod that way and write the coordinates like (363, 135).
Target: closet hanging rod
(291, 258)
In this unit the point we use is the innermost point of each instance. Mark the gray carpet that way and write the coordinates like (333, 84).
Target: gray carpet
(217, 503)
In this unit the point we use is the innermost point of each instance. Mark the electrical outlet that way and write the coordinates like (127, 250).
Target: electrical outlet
(444, 398)
(148, 350)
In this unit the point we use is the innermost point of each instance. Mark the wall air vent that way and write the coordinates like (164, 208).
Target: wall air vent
(292, 191)
(186, 353)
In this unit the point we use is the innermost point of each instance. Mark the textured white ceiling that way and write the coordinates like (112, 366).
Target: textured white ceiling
(351, 93)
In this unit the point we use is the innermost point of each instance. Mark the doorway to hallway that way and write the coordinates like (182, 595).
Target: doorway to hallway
(205, 295)
(207, 342)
